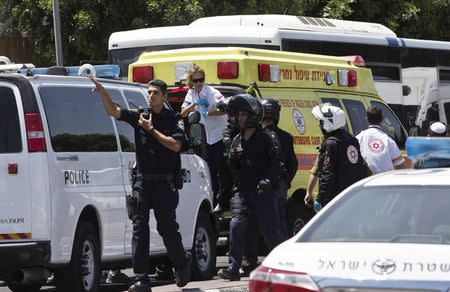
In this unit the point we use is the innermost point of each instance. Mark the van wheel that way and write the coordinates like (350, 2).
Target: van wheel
(22, 288)
(83, 272)
(204, 249)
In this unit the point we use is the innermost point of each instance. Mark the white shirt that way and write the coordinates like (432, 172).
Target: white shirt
(378, 149)
(214, 125)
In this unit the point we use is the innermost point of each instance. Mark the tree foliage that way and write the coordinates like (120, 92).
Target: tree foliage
(86, 24)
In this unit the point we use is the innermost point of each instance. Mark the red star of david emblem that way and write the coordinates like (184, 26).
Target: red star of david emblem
(353, 154)
(375, 145)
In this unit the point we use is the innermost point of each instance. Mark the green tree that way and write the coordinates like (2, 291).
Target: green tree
(86, 25)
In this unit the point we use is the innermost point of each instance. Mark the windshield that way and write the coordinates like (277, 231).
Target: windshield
(408, 214)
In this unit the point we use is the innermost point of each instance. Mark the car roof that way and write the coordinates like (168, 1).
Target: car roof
(410, 177)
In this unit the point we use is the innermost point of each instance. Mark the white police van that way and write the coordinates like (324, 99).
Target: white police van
(64, 176)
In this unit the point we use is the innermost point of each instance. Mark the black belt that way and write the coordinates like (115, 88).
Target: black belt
(158, 177)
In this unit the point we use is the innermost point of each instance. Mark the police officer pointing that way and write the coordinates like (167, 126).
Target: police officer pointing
(158, 142)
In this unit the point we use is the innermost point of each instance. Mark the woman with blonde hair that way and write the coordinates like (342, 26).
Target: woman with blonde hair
(204, 98)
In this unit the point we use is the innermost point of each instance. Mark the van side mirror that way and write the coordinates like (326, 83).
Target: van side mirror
(197, 135)
(406, 90)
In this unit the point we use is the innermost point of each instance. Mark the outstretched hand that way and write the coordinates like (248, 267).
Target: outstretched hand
(98, 86)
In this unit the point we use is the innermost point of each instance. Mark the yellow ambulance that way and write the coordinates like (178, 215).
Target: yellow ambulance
(299, 81)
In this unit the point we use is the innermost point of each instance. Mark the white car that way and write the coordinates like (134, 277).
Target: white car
(389, 232)
(64, 175)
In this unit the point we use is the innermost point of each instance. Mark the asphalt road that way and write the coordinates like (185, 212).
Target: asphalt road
(215, 285)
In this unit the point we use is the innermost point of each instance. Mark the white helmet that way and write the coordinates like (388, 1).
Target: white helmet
(332, 116)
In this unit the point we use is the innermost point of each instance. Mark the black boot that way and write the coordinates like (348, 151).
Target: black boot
(229, 275)
(183, 276)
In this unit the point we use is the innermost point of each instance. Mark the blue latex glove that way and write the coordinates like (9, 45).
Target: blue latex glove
(203, 107)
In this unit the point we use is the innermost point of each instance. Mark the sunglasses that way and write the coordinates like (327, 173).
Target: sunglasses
(201, 80)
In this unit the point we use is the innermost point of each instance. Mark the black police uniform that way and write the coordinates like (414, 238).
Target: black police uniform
(226, 191)
(340, 165)
(259, 161)
(289, 160)
(158, 165)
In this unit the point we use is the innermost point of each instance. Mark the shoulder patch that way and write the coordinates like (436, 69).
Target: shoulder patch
(352, 154)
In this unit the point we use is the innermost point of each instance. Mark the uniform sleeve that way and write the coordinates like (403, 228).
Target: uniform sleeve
(188, 99)
(177, 132)
(292, 162)
(327, 171)
(314, 169)
(129, 116)
(214, 96)
(395, 152)
(274, 150)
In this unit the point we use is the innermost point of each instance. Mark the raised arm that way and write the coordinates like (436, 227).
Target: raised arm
(111, 108)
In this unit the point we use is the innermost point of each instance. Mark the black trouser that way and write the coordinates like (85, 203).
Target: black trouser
(163, 199)
(216, 164)
(251, 209)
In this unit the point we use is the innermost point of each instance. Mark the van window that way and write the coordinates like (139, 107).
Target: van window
(391, 125)
(357, 114)
(77, 120)
(136, 99)
(10, 139)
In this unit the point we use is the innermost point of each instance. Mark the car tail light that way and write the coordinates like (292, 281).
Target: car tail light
(35, 133)
(228, 70)
(347, 78)
(271, 280)
(142, 74)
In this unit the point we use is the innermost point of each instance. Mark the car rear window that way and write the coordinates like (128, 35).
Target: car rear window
(380, 214)
(10, 139)
(77, 120)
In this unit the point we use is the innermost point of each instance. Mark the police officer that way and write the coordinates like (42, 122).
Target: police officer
(340, 163)
(270, 122)
(229, 133)
(256, 163)
(158, 141)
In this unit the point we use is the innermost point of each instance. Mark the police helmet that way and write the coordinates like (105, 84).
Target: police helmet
(249, 104)
(331, 117)
(271, 109)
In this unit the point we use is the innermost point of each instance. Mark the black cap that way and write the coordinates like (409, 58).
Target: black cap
(161, 84)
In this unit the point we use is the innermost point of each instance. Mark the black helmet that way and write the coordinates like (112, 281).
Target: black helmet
(271, 109)
(247, 103)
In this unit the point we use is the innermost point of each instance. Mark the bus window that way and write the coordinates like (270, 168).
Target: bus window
(357, 114)
(391, 125)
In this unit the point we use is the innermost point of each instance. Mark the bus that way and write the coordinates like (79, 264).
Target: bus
(384, 53)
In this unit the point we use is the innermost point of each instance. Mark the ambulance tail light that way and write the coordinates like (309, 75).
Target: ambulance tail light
(142, 74)
(272, 280)
(35, 133)
(356, 60)
(347, 78)
(227, 70)
(268, 72)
